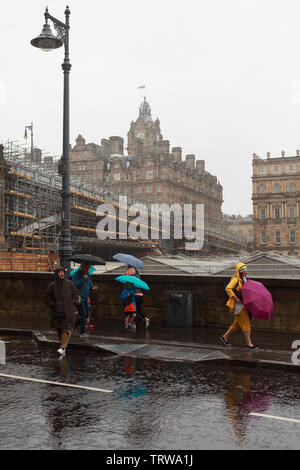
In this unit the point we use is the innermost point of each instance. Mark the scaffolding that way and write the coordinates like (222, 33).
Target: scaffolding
(33, 208)
(33, 214)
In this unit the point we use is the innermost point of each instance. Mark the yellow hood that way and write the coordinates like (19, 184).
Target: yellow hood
(237, 268)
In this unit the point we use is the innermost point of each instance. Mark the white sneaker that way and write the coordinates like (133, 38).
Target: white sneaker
(61, 351)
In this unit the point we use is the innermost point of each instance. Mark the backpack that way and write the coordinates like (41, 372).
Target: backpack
(127, 297)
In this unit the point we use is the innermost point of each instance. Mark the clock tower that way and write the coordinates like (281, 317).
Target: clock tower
(144, 133)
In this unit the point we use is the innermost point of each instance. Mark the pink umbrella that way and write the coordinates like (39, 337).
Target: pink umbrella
(257, 299)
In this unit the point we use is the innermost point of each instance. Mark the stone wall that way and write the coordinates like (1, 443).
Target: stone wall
(21, 295)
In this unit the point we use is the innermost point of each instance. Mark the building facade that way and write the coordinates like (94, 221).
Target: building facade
(276, 203)
(150, 172)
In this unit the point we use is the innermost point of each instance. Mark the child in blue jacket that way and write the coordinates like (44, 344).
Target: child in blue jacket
(128, 299)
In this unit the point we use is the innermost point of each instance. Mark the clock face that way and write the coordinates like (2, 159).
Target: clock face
(140, 135)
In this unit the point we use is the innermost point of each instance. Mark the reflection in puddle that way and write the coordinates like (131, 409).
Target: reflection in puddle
(156, 404)
(2, 353)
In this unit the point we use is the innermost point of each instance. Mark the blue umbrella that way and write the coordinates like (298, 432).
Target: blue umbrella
(91, 270)
(133, 280)
(130, 260)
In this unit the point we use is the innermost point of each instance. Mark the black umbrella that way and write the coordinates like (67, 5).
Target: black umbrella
(86, 258)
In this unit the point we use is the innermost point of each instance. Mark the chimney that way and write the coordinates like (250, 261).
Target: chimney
(200, 164)
(283, 153)
(105, 147)
(116, 145)
(177, 154)
(190, 160)
(164, 146)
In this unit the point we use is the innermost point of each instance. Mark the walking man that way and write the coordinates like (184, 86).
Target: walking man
(84, 284)
(61, 296)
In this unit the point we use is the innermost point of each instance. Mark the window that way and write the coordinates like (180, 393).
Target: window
(276, 168)
(148, 188)
(149, 173)
(261, 189)
(292, 212)
(35, 176)
(117, 176)
(261, 169)
(138, 188)
(292, 187)
(291, 167)
(158, 187)
(263, 237)
(262, 214)
(277, 188)
(277, 213)
(277, 237)
(292, 236)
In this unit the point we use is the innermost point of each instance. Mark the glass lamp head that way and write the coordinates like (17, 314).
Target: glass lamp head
(46, 41)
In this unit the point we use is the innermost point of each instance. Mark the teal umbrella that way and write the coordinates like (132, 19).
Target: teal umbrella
(91, 270)
(133, 280)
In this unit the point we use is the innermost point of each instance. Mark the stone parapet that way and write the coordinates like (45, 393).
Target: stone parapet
(22, 295)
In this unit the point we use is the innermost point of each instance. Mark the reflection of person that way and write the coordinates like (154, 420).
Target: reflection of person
(242, 320)
(138, 293)
(62, 296)
(83, 281)
(238, 392)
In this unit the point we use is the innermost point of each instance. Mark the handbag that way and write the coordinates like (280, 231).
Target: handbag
(238, 308)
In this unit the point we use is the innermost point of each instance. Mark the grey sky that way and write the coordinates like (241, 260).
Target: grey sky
(222, 76)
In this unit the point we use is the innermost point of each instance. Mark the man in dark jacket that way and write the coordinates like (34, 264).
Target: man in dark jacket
(62, 297)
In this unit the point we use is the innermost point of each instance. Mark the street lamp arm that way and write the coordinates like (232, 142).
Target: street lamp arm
(61, 28)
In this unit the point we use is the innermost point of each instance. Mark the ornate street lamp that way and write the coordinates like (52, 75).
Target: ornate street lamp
(30, 128)
(47, 42)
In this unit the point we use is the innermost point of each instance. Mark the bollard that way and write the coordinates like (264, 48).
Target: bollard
(2, 353)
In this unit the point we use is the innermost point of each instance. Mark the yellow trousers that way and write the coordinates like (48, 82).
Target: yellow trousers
(241, 322)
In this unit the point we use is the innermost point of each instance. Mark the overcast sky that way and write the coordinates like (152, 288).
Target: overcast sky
(222, 76)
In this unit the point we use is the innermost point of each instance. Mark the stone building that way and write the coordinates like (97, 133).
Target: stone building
(151, 172)
(276, 203)
(239, 225)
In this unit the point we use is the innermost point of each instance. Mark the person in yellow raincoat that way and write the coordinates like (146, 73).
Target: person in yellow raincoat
(242, 320)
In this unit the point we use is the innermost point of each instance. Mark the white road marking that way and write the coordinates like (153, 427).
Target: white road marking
(56, 383)
(292, 420)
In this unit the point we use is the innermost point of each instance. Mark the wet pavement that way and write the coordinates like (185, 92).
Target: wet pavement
(154, 404)
(177, 344)
(169, 389)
